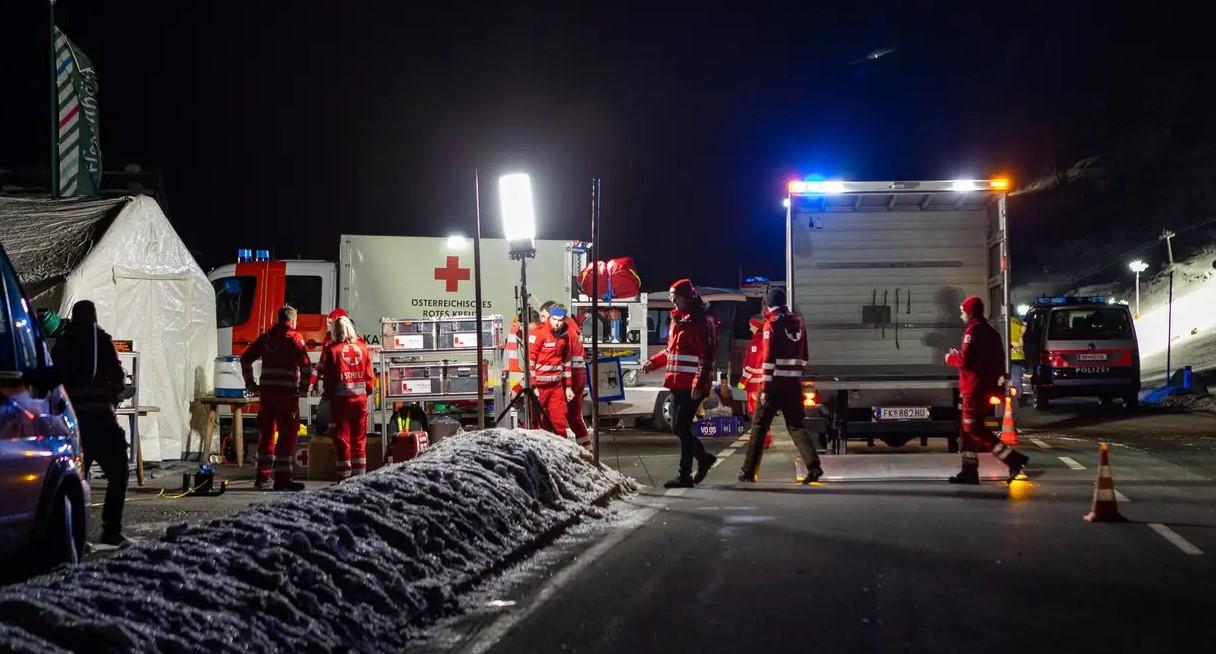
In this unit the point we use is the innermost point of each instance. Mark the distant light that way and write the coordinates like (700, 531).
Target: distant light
(827, 187)
(457, 242)
(786, 203)
(1022, 309)
(963, 185)
(999, 183)
(1138, 266)
(1112, 301)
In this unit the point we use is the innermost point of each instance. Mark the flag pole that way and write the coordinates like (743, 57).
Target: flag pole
(54, 161)
(482, 370)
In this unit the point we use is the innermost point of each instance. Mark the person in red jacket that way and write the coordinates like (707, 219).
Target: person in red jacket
(346, 376)
(689, 358)
(549, 360)
(578, 384)
(285, 376)
(981, 365)
(753, 374)
(783, 356)
(338, 312)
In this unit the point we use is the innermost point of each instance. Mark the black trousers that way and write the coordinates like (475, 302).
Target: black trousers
(683, 410)
(789, 403)
(105, 442)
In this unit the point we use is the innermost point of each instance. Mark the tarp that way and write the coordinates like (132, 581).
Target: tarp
(125, 256)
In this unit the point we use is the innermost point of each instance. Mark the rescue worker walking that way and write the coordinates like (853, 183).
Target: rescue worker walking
(783, 357)
(981, 364)
(285, 376)
(689, 358)
(549, 360)
(93, 378)
(346, 378)
(578, 384)
(752, 379)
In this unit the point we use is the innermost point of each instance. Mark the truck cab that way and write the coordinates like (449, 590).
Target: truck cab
(249, 292)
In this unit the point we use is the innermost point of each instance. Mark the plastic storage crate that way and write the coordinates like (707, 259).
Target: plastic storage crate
(457, 334)
(408, 335)
(405, 379)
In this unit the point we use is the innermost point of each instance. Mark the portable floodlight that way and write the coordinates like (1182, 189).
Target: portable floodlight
(518, 214)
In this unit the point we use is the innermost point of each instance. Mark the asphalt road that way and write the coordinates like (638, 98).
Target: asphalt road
(895, 566)
(857, 565)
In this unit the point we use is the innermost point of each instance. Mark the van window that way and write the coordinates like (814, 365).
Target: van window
(1090, 324)
(233, 300)
(21, 321)
(304, 293)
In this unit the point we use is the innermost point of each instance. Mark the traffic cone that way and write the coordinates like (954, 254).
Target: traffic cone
(1105, 509)
(1009, 435)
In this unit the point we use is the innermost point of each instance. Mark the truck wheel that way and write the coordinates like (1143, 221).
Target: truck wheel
(896, 441)
(952, 444)
(663, 420)
(63, 539)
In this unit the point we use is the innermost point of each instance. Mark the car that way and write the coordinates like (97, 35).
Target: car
(44, 496)
(1081, 347)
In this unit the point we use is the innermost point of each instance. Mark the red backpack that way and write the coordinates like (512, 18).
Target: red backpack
(618, 278)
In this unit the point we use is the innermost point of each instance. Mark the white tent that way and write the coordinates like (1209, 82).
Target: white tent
(124, 255)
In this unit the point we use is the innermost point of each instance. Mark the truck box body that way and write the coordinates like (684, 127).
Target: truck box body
(878, 270)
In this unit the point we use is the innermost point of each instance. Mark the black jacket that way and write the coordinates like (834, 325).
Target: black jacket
(88, 366)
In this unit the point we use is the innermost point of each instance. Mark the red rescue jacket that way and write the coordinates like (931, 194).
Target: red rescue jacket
(578, 352)
(981, 361)
(689, 356)
(549, 356)
(346, 371)
(753, 363)
(285, 363)
(783, 351)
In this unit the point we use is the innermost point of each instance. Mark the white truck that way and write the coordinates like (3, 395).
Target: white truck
(379, 277)
(878, 270)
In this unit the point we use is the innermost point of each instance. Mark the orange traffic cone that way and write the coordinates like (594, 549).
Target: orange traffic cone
(1009, 435)
(1106, 509)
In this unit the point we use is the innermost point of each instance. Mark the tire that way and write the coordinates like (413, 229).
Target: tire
(662, 418)
(896, 441)
(62, 540)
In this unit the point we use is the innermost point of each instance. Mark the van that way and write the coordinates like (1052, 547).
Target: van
(1081, 347)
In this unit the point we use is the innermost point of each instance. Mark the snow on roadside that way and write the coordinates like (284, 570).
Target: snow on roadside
(1196, 403)
(364, 565)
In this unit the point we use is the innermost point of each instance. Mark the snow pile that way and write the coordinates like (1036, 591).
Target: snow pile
(360, 566)
(1196, 403)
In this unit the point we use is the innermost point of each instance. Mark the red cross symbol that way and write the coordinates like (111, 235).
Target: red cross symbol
(452, 274)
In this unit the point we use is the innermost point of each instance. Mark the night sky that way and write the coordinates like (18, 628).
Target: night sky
(286, 124)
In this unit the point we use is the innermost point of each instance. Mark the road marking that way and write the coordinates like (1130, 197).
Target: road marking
(1172, 536)
(1071, 463)
(1041, 443)
(675, 492)
(721, 458)
(1121, 497)
(489, 637)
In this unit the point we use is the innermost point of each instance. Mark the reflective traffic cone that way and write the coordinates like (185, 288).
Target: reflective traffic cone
(1105, 507)
(1009, 435)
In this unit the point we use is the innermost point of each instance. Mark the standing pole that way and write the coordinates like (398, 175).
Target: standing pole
(523, 349)
(54, 162)
(482, 369)
(1137, 294)
(1167, 235)
(595, 321)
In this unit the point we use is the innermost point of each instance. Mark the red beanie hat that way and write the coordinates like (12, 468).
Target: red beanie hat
(973, 306)
(683, 288)
(338, 313)
(756, 322)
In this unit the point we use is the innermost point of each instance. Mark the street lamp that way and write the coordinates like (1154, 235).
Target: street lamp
(1138, 267)
(1022, 309)
(519, 227)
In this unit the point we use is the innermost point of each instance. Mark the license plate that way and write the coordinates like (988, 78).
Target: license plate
(901, 413)
(1092, 357)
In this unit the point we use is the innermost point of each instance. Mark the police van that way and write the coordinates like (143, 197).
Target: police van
(1081, 347)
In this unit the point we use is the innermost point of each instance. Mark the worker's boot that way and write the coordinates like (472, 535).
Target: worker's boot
(751, 460)
(969, 475)
(1016, 462)
(703, 467)
(679, 482)
(806, 448)
(288, 486)
(114, 538)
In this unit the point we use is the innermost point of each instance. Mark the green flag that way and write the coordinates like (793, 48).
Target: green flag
(78, 145)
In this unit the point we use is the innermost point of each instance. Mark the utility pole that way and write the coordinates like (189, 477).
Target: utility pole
(1167, 236)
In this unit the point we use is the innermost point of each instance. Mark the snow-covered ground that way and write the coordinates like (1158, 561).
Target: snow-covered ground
(365, 565)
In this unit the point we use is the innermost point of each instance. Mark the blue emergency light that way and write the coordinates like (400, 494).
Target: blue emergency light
(756, 280)
(262, 255)
(1061, 300)
(244, 255)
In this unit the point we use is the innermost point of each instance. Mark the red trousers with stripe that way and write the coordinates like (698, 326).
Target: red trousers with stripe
(279, 411)
(574, 408)
(348, 428)
(553, 401)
